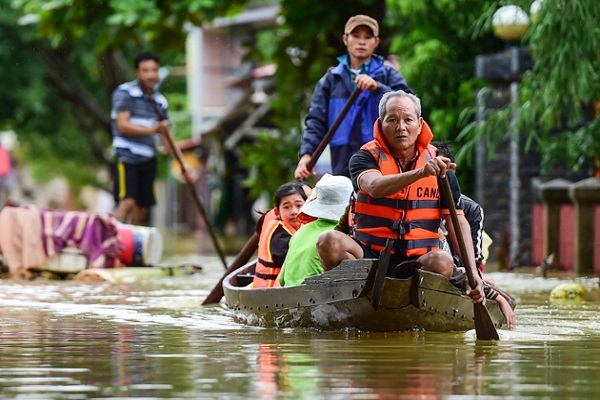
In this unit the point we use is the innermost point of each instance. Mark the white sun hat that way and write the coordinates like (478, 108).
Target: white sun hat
(329, 198)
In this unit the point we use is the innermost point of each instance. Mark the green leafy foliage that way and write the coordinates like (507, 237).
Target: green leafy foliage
(272, 166)
(64, 154)
(159, 23)
(557, 95)
(435, 45)
(62, 59)
(50, 141)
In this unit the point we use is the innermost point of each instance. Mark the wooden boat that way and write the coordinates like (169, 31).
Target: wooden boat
(341, 299)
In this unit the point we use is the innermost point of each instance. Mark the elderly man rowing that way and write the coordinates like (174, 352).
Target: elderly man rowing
(395, 177)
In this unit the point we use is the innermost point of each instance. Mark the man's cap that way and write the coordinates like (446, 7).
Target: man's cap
(329, 198)
(365, 20)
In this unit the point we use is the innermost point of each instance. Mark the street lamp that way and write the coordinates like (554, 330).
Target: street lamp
(534, 8)
(510, 24)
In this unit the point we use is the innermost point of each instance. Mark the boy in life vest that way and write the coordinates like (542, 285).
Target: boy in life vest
(359, 68)
(275, 229)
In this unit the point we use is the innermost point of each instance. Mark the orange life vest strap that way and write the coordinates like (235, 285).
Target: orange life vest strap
(267, 277)
(268, 264)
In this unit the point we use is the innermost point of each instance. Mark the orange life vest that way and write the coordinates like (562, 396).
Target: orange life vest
(267, 270)
(411, 216)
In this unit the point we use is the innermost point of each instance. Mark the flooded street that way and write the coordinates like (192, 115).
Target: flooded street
(153, 339)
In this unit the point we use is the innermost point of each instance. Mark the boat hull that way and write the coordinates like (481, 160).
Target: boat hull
(341, 299)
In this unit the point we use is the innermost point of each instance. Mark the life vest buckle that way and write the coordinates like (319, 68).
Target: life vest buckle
(402, 227)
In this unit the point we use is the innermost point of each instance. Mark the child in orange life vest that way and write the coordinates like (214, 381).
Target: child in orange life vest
(275, 229)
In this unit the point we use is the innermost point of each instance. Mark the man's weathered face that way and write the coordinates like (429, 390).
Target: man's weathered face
(361, 43)
(147, 73)
(401, 125)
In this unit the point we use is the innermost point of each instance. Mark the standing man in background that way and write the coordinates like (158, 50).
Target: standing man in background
(359, 68)
(137, 131)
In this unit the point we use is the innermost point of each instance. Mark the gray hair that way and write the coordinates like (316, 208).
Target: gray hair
(398, 94)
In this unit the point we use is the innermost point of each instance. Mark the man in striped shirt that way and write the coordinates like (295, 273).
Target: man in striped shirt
(139, 118)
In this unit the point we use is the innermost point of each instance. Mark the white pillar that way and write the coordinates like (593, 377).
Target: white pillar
(195, 76)
(514, 181)
(480, 150)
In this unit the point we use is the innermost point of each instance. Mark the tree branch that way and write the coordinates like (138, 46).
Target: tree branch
(71, 89)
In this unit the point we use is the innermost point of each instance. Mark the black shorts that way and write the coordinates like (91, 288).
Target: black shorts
(136, 181)
(458, 276)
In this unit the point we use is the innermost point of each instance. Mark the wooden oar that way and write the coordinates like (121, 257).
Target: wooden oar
(216, 294)
(192, 188)
(484, 326)
(380, 274)
(334, 127)
(252, 244)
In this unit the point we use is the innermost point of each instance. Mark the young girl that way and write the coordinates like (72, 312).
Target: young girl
(275, 229)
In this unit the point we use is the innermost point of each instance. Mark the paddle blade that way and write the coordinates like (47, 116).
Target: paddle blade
(484, 326)
(242, 258)
(382, 267)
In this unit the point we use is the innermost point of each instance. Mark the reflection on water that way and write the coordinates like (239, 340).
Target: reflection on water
(152, 339)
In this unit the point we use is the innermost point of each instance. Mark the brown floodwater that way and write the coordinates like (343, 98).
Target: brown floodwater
(153, 339)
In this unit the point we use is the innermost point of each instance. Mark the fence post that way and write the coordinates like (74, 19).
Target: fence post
(555, 194)
(586, 196)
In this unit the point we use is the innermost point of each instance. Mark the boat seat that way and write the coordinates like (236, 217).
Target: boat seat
(405, 269)
(348, 270)
(245, 279)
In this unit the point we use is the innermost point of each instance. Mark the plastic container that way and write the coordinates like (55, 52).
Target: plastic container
(142, 245)
(70, 260)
